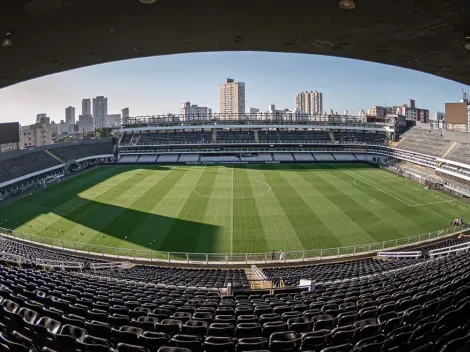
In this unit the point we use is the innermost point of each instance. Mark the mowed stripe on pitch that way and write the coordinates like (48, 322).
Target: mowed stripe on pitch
(277, 229)
(218, 213)
(184, 235)
(249, 235)
(331, 212)
(413, 214)
(72, 215)
(308, 226)
(364, 209)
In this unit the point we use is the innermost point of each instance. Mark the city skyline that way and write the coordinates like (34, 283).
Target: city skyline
(159, 85)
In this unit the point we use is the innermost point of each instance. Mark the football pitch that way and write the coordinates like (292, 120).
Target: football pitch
(233, 208)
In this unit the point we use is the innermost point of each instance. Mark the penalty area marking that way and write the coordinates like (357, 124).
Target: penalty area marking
(269, 189)
(373, 188)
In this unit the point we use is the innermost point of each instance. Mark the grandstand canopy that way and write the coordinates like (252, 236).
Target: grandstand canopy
(49, 36)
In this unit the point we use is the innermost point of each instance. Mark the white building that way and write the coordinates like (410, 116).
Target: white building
(310, 103)
(114, 120)
(232, 100)
(193, 112)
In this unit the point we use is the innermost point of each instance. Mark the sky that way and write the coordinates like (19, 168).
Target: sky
(158, 85)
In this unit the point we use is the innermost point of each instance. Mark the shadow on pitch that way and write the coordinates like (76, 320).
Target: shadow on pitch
(156, 232)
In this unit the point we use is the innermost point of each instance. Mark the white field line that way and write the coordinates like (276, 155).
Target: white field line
(376, 188)
(443, 195)
(380, 190)
(231, 221)
(404, 184)
(421, 205)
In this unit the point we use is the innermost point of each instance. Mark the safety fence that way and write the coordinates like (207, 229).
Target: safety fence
(148, 255)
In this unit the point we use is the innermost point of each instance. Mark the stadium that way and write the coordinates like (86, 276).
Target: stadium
(325, 233)
(216, 234)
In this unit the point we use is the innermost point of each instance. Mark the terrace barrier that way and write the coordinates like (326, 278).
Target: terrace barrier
(159, 257)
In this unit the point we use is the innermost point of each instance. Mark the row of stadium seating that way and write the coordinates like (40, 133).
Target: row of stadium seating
(216, 278)
(432, 142)
(336, 271)
(261, 157)
(28, 163)
(201, 137)
(420, 305)
(80, 151)
(442, 244)
(424, 141)
(29, 253)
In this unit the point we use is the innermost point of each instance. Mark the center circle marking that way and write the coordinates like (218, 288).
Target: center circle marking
(267, 189)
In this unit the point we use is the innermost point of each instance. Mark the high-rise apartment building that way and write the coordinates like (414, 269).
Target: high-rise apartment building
(113, 120)
(232, 99)
(309, 102)
(100, 111)
(86, 107)
(69, 115)
(125, 113)
(85, 123)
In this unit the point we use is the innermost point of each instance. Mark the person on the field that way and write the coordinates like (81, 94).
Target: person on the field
(273, 255)
(281, 255)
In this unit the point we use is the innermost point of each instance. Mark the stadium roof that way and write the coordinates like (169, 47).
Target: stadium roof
(49, 36)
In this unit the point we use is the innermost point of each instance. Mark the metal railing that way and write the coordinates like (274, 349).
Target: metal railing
(247, 142)
(448, 250)
(148, 255)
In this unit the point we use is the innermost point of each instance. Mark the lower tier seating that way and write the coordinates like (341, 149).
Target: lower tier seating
(423, 307)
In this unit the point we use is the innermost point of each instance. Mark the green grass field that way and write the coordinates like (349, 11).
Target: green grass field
(224, 209)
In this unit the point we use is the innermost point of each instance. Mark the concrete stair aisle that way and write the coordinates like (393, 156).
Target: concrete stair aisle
(449, 150)
(332, 136)
(257, 283)
(54, 156)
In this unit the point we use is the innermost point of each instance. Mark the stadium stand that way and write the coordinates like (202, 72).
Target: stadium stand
(189, 157)
(168, 158)
(335, 271)
(442, 244)
(344, 156)
(217, 158)
(242, 136)
(31, 252)
(80, 151)
(420, 305)
(129, 158)
(147, 158)
(424, 141)
(324, 157)
(351, 137)
(460, 153)
(217, 278)
(259, 157)
(155, 138)
(283, 157)
(303, 157)
(26, 164)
